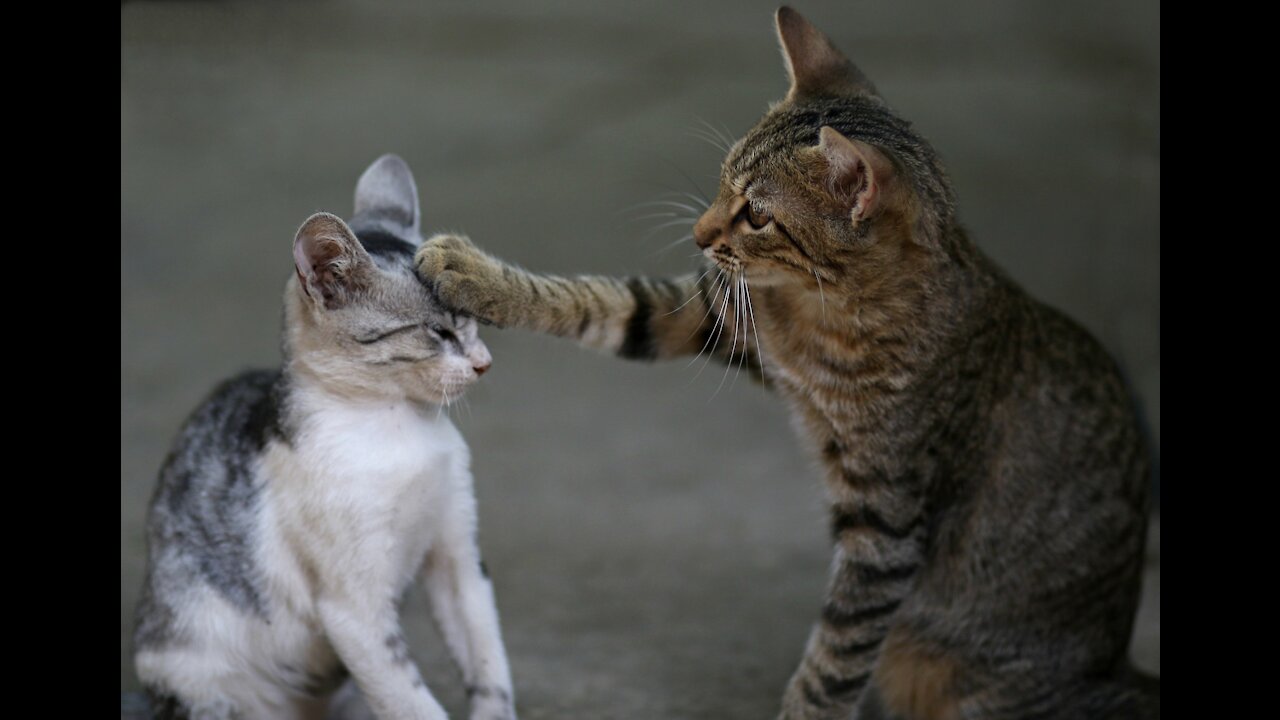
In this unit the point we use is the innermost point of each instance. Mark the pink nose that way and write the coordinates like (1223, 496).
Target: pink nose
(480, 369)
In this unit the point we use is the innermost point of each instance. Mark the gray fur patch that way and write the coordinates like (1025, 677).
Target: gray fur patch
(204, 510)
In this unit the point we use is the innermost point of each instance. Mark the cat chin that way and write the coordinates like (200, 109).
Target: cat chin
(433, 396)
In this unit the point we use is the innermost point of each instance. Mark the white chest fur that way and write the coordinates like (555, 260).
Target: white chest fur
(367, 489)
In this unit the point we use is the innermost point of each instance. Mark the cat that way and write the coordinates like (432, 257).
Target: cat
(298, 504)
(987, 479)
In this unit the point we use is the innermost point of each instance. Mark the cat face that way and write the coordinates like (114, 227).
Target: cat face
(827, 183)
(360, 321)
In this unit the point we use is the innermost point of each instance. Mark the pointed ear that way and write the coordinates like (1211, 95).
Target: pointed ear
(857, 173)
(328, 259)
(386, 192)
(814, 65)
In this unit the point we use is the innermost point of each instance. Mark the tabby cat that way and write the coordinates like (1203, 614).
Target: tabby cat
(298, 504)
(987, 479)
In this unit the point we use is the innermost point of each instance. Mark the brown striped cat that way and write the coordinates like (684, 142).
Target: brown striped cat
(987, 478)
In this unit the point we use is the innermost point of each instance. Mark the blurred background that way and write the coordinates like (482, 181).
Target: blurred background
(659, 549)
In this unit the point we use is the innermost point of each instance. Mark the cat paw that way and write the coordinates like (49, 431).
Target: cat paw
(464, 277)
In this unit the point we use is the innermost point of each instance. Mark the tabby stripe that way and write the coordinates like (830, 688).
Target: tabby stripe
(843, 687)
(1019, 707)
(852, 649)
(639, 339)
(812, 695)
(867, 518)
(868, 573)
(837, 617)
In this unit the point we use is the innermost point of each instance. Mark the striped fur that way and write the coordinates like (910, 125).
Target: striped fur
(987, 479)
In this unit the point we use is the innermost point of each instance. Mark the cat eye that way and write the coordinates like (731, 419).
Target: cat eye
(443, 334)
(369, 340)
(755, 218)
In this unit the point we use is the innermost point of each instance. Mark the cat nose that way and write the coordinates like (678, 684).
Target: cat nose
(705, 232)
(480, 369)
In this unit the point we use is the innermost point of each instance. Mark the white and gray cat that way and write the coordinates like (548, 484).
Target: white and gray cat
(298, 505)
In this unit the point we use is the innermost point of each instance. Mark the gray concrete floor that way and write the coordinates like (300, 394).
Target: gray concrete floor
(658, 548)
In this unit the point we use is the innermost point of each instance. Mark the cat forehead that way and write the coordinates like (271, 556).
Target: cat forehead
(792, 125)
(397, 288)
(389, 251)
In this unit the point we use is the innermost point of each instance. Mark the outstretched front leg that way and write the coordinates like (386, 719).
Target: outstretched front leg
(637, 318)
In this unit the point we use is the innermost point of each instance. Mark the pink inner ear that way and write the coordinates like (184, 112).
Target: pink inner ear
(301, 263)
(849, 177)
(313, 258)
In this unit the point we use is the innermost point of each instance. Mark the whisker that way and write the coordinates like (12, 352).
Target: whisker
(719, 330)
(696, 211)
(737, 315)
(673, 223)
(444, 389)
(755, 330)
(690, 180)
(711, 140)
(701, 202)
(710, 304)
(725, 138)
(697, 290)
(651, 216)
(742, 301)
(673, 243)
(728, 136)
(822, 298)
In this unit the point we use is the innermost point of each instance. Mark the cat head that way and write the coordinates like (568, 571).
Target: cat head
(828, 182)
(358, 320)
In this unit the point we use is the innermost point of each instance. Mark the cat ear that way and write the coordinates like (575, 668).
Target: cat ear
(814, 65)
(857, 173)
(386, 194)
(328, 259)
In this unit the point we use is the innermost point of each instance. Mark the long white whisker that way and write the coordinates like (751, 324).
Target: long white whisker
(651, 216)
(727, 142)
(673, 243)
(755, 329)
(671, 223)
(444, 389)
(718, 330)
(728, 136)
(683, 206)
(719, 283)
(700, 202)
(709, 139)
(697, 289)
(742, 304)
(737, 313)
(822, 298)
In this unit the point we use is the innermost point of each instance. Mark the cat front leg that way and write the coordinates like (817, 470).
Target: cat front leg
(462, 601)
(878, 554)
(368, 639)
(637, 318)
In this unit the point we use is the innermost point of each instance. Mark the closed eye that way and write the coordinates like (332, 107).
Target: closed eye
(443, 333)
(369, 340)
